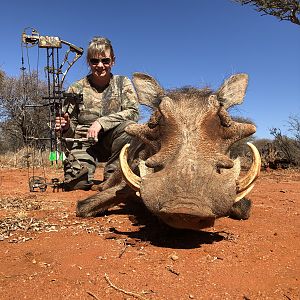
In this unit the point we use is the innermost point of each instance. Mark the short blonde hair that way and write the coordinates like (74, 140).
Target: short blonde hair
(97, 46)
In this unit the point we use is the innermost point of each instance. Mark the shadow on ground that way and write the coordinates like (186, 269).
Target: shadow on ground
(151, 229)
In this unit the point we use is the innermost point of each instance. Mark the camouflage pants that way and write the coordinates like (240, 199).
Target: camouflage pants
(81, 162)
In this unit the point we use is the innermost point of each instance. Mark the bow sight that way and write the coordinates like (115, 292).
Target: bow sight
(56, 72)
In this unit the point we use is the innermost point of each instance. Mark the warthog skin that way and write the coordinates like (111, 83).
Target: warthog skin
(187, 178)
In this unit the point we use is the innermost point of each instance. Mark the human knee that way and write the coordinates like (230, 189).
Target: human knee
(120, 129)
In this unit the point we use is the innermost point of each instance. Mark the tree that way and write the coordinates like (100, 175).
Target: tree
(294, 128)
(291, 145)
(2, 75)
(16, 123)
(288, 10)
(289, 148)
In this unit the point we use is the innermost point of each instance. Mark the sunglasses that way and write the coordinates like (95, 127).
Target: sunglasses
(104, 61)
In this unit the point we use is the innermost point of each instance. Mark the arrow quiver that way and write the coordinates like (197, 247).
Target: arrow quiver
(49, 106)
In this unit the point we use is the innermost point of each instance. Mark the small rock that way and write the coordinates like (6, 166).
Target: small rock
(174, 257)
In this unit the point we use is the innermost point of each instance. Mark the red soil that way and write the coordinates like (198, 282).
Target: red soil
(46, 252)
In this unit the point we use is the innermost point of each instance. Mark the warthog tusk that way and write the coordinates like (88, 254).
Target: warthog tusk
(244, 193)
(131, 179)
(245, 184)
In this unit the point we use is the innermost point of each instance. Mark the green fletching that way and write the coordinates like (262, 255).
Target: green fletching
(62, 156)
(53, 156)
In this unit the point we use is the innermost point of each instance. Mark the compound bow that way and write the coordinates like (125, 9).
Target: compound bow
(56, 72)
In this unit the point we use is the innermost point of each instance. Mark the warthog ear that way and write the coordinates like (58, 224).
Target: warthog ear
(148, 89)
(233, 90)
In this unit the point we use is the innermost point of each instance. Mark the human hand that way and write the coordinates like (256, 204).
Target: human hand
(94, 130)
(62, 123)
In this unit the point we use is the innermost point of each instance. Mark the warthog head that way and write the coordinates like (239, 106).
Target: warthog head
(194, 180)
(178, 162)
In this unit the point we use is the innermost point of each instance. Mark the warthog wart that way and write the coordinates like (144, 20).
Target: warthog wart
(178, 163)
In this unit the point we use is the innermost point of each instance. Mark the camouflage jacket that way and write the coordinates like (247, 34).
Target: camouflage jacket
(116, 104)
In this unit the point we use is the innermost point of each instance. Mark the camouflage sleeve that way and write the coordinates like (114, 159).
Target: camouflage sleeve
(129, 108)
(70, 108)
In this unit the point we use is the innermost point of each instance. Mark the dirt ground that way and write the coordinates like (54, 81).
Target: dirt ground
(46, 252)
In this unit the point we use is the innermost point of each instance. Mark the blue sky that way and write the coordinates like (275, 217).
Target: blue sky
(191, 42)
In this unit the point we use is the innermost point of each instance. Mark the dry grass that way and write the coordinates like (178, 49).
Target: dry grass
(25, 157)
